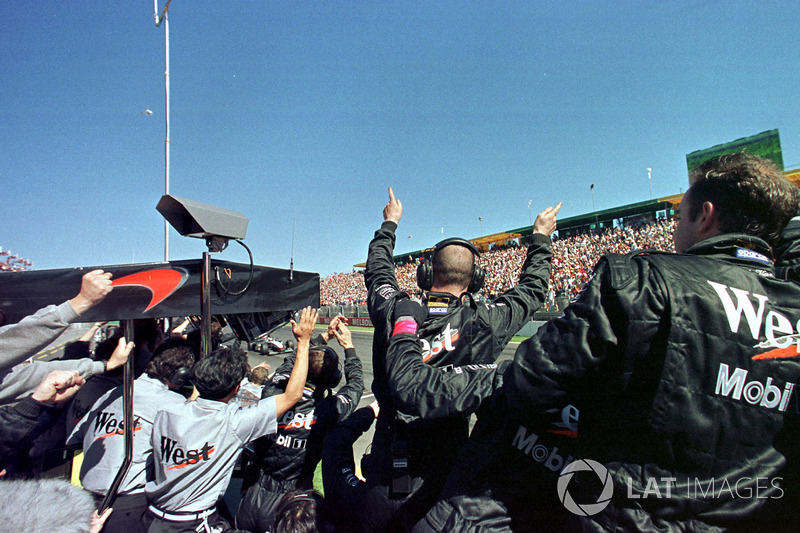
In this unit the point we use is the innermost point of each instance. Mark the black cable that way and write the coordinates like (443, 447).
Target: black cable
(226, 290)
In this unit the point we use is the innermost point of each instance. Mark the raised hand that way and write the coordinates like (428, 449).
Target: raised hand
(394, 209)
(305, 328)
(95, 285)
(546, 220)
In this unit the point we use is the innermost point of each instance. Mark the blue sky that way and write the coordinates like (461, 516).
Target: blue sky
(301, 114)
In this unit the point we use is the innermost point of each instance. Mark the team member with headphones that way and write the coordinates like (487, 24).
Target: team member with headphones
(287, 459)
(410, 457)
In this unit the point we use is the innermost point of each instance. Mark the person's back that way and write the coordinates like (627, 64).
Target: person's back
(288, 459)
(684, 366)
(101, 432)
(458, 331)
(197, 445)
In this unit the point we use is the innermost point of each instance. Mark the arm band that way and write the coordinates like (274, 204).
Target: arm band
(405, 325)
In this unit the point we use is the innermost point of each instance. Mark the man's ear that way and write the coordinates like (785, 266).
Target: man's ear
(709, 220)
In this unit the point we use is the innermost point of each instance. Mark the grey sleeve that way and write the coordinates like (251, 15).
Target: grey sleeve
(22, 380)
(33, 333)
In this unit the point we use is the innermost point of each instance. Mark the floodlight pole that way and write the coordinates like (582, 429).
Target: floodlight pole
(163, 18)
(650, 181)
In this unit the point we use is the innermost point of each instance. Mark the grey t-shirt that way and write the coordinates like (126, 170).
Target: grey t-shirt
(196, 447)
(101, 432)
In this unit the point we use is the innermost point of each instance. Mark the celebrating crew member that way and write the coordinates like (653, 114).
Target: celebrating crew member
(287, 460)
(101, 433)
(407, 452)
(684, 368)
(196, 445)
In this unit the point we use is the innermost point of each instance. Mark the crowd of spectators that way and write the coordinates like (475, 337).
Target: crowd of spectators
(573, 260)
(10, 262)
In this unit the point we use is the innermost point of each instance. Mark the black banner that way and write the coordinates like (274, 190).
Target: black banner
(154, 290)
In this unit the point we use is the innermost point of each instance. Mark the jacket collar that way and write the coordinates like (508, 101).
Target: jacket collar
(737, 245)
(442, 303)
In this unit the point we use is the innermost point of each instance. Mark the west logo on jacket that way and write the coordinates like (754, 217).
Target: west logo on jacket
(748, 315)
(176, 455)
(108, 424)
(446, 340)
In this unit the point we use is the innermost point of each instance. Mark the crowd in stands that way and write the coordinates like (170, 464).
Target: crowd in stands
(573, 260)
(10, 262)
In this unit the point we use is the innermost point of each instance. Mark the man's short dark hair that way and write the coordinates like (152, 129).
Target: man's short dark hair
(169, 357)
(453, 265)
(322, 365)
(299, 511)
(750, 193)
(217, 374)
(259, 375)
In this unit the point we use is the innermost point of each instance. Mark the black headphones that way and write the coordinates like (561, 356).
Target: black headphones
(180, 377)
(425, 268)
(331, 374)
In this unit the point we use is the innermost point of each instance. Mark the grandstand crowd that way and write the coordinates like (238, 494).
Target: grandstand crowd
(10, 262)
(573, 260)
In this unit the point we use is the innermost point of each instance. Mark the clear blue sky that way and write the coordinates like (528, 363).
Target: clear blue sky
(310, 110)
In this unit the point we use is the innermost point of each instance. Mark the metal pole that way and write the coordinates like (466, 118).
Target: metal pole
(650, 182)
(127, 402)
(205, 337)
(530, 215)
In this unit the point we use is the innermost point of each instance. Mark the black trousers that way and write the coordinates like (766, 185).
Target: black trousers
(128, 510)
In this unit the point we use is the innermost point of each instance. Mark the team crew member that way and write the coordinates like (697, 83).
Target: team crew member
(288, 459)
(407, 452)
(344, 490)
(508, 490)
(101, 433)
(684, 367)
(196, 446)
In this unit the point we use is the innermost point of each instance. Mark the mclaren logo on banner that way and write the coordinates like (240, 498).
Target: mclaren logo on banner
(161, 282)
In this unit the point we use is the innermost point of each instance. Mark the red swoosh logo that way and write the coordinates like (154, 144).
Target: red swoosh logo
(778, 353)
(161, 282)
(565, 432)
(111, 434)
(187, 463)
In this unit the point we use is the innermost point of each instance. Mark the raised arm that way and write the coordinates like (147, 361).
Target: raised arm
(379, 271)
(33, 333)
(350, 393)
(294, 387)
(517, 305)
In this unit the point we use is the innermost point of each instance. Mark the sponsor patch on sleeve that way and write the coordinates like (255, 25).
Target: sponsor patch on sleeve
(385, 291)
